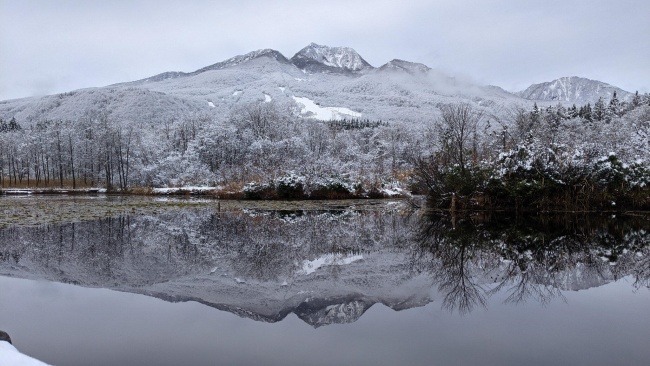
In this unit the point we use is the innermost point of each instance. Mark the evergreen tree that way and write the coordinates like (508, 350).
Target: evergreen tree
(614, 108)
(586, 113)
(3, 126)
(599, 110)
(561, 112)
(534, 115)
(636, 100)
(13, 125)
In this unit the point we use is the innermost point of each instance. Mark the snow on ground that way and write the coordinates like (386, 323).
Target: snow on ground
(282, 88)
(267, 98)
(313, 110)
(327, 260)
(394, 191)
(195, 189)
(211, 104)
(236, 93)
(10, 356)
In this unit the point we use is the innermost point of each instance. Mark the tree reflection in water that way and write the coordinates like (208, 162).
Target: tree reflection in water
(252, 262)
(530, 258)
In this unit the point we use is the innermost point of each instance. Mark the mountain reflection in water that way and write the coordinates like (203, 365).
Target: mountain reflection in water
(331, 266)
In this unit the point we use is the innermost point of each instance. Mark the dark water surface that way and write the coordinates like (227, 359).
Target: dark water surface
(354, 284)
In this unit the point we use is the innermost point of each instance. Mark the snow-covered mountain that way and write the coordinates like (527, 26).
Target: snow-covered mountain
(409, 67)
(318, 58)
(573, 89)
(231, 62)
(316, 81)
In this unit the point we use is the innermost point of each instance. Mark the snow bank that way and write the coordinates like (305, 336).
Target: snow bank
(10, 356)
(190, 189)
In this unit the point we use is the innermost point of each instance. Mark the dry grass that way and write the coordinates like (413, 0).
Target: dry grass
(67, 184)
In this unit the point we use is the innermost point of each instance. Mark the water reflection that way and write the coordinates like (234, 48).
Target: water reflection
(331, 266)
(530, 258)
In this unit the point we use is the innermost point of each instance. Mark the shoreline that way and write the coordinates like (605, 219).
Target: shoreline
(203, 192)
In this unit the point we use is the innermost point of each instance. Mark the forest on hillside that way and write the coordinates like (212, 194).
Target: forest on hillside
(465, 154)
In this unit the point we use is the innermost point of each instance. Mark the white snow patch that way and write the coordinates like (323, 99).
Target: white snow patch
(236, 93)
(210, 104)
(313, 110)
(393, 191)
(10, 356)
(282, 88)
(327, 260)
(267, 98)
(193, 189)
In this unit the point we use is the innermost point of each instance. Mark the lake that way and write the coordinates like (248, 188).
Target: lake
(138, 280)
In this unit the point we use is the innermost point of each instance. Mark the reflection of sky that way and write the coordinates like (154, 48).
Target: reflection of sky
(69, 325)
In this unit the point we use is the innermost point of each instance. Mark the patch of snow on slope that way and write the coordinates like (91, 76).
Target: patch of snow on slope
(211, 104)
(236, 93)
(313, 110)
(267, 98)
(282, 88)
(338, 259)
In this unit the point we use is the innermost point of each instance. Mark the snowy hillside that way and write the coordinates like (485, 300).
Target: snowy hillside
(330, 77)
(260, 116)
(573, 90)
(134, 106)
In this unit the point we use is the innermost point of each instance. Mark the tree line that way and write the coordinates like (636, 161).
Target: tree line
(540, 160)
(456, 151)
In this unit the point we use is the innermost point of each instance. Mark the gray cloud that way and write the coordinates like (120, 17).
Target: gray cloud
(55, 46)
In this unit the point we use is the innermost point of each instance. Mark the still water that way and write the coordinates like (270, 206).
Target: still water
(351, 283)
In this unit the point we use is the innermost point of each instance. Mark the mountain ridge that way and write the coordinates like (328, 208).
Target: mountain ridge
(572, 89)
(330, 78)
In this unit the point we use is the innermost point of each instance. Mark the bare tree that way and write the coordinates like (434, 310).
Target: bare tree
(458, 132)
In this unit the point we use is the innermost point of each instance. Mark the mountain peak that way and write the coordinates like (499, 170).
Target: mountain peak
(572, 89)
(401, 65)
(233, 61)
(320, 58)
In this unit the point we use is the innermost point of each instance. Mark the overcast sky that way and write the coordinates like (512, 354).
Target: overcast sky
(52, 46)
